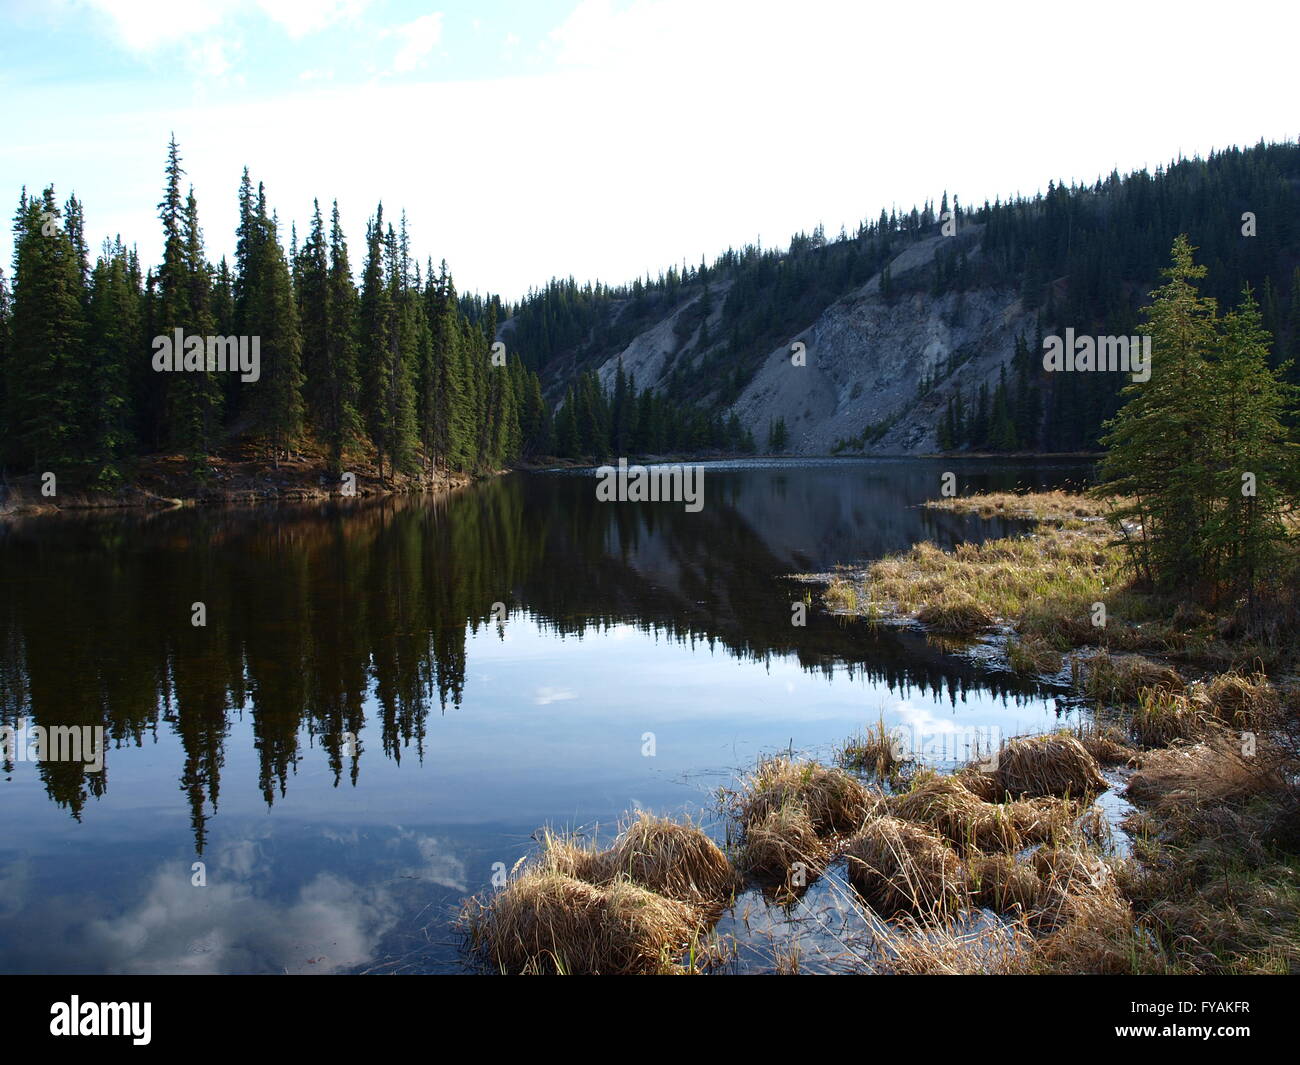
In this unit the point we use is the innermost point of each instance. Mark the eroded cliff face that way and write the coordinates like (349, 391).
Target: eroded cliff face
(864, 357)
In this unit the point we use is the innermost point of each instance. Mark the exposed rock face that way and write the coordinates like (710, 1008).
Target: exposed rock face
(865, 358)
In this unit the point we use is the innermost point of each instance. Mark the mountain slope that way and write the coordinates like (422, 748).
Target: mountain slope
(921, 336)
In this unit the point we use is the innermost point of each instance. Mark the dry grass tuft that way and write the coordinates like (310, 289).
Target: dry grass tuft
(1205, 773)
(872, 751)
(545, 922)
(956, 616)
(1107, 744)
(841, 596)
(834, 800)
(901, 867)
(1054, 764)
(972, 824)
(568, 855)
(779, 844)
(980, 782)
(675, 859)
(1002, 883)
(1162, 716)
(946, 949)
(1244, 701)
(1122, 678)
(1033, 655)
(1098, 935)
(1086, 926)
(946, 805)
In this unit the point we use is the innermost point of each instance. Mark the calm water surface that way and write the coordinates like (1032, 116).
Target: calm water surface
(228, 744)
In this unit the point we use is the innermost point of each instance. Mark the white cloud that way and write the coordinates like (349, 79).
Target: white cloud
(546, 696)
(210, 59)
(143, 25)
(298, 18)
(419, 37)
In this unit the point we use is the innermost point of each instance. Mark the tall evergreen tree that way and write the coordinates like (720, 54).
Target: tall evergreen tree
(1159, 457)
(272, 317)
(1252, 458)
(46, 387)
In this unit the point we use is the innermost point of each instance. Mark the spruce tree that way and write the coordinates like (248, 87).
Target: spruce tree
(1159, 457)
(1252, 457)
(272, 316)
(113, 342)
(47, 381)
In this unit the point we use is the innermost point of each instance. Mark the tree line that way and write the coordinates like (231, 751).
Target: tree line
(598, 421)
(397, 367)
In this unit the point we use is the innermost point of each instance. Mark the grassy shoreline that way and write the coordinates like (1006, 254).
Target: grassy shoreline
(1006, 866)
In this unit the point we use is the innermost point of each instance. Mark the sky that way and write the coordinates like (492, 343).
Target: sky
(605, 140)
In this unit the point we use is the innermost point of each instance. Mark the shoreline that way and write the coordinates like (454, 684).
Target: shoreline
(163, 484)
(1008, 865)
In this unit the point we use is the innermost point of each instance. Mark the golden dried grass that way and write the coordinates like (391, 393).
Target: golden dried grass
(898, 867)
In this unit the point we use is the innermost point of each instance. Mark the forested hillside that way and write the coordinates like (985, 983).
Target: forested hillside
(923, 331)
(979, 292)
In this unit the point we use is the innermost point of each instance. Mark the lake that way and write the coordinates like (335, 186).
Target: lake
(386, 698)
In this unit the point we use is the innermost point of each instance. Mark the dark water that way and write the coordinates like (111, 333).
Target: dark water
(228, 744)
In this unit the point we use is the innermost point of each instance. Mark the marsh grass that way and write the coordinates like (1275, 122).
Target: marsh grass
(637, 907)
(1162, 717)
(841, 595)
(677, 859)
(780, 846)
(1054, 506)
(1107, 743)
(1244, 700)
(1055, 764)
(976, 585)
(1217, 874)
(835, 800)
(898, 867)
(972, 824)
(1115, 679)
(546, 922)
(1033, 655)
(1212, 772)
(1212, 764)
(954, 948)
(1044, 585)
(873, 751)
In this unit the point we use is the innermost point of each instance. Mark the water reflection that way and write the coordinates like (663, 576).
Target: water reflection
(344, 635)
